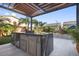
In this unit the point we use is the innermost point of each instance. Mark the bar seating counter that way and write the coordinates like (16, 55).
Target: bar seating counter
(34, 44)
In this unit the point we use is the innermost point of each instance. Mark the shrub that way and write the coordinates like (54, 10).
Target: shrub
(74, 33)
(5, 39)
(48, 29)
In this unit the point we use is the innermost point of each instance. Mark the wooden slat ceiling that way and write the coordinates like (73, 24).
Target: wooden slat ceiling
(35, 9)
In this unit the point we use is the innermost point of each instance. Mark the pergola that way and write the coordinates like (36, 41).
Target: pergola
(35, 9)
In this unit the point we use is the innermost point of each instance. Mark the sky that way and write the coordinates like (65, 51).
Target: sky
(8, 12)
(63, 15)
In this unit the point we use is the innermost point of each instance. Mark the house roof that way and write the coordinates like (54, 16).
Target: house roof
(35, 9)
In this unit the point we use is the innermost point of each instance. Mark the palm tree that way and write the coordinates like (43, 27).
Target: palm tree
(40, 26)
(25, 20)
(41, 23)
(35, 22)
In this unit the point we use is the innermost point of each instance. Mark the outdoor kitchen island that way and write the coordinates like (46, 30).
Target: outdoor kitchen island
(34, 44)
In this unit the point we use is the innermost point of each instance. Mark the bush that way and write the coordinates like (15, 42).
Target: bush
(5, 39)
(48, 29)
(74, 33)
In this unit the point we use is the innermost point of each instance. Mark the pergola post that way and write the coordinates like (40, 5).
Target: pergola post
(28, 22)
(77, 14)
(31, 23)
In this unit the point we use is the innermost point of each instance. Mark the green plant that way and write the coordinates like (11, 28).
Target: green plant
(75, 34)
(5, 39)
(48, 29)
(6, 28)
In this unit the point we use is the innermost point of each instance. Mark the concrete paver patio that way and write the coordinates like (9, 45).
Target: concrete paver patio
(64, 47)
(10, 50)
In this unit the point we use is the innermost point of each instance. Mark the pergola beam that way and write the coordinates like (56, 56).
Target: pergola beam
(14, 10)
(37, 8)
(54, 10)
(40, 8)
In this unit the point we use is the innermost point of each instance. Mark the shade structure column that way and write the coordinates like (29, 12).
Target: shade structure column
(28, 20)
(31, 23)
(77, 14)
